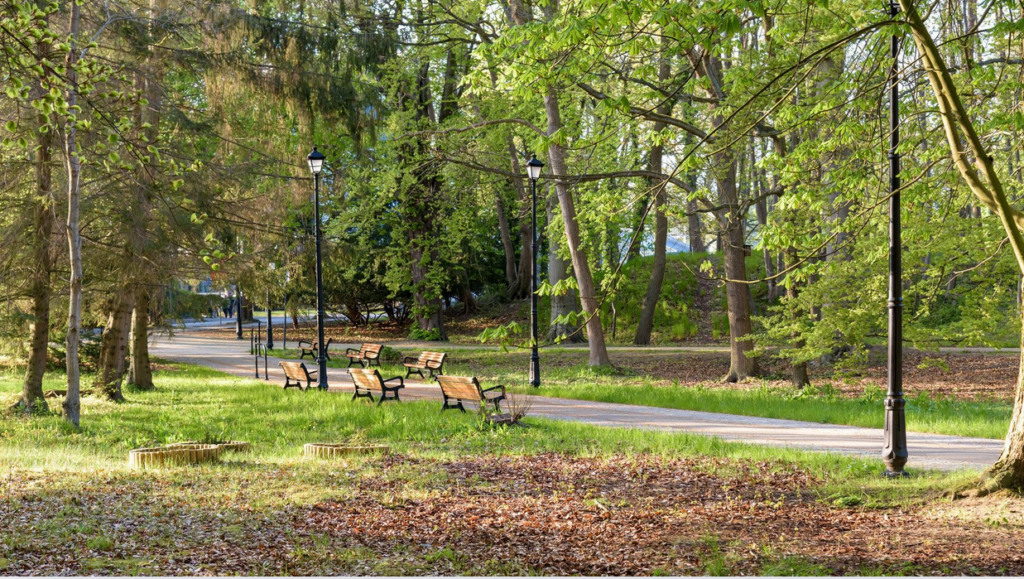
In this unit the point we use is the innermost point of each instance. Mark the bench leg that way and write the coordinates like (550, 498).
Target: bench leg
(449, 406)
(384, 395)
(352, 361)
(359, 394)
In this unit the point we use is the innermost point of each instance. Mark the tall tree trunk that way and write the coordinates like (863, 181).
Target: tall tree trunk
(731, 240)
(566, 303)
(111, 364)
(428, 309)
(121, 354)
(769, 264)
(525, 269)
(646, 324)
(140, 373)
(72, 404)
(39, 286)
(798, 370)
(506, 243)
(693, 229)
(580, 264)
(984, 182)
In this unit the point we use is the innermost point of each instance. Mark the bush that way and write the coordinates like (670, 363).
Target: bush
(433, 335)
(389, 354)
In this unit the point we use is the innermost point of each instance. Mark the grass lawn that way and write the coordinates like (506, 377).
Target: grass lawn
(565, 374)
(454, 497)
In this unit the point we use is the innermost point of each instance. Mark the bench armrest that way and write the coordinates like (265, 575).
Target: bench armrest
(301, 342)
(498, 387)
(401, 380)
(351, 350)
(312, 372)
(408, 359)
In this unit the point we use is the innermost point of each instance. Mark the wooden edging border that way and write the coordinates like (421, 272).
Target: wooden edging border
(179, 453)
(328, 450)
(173, 455)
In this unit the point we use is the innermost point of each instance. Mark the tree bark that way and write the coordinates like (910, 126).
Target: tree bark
(580, 264)
(566, 303)
(511, 275)
(798, 370)
(39, 286)
(693, 229)
(72, 403)
(140, 373)
(1008, 471)
(525, 270)
(731, 240)
(111, 364)
(646, 324)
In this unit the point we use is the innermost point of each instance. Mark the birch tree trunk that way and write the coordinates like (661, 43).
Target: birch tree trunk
(72, 403)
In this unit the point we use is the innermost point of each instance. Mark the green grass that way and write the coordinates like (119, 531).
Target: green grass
(566, 375)
(924, 413)
(79, 484)
(195, 403)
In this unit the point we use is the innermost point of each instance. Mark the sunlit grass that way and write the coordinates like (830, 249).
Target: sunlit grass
(566, 378)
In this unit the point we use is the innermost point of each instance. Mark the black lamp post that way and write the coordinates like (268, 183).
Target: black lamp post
(894, 453)
(270, 324)
(238, 314)
(533, 168)
(316, 164)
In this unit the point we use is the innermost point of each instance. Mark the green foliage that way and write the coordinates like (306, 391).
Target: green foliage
(432, 335)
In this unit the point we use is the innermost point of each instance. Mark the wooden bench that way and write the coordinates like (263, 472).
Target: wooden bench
(460, 388)
(366, 355)
(430, 361)
(311, 349)
(298, 372)
(368, 381)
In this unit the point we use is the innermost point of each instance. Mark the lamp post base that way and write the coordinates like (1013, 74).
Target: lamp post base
(895, 474)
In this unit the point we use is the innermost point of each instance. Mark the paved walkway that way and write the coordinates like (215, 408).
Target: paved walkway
(926, 450)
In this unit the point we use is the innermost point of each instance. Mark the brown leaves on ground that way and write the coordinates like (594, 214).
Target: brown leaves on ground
(552, 514)
(626, 516)
(965, 376)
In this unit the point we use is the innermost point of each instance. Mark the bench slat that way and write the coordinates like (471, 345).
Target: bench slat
(459, 387)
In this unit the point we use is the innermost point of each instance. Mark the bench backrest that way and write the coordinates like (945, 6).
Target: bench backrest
(460, 387)
(432, 359)
(366, 378)
(295, 370)
(370, 350)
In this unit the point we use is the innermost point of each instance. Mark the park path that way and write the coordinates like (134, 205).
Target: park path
(222, 323)
(926, 450)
